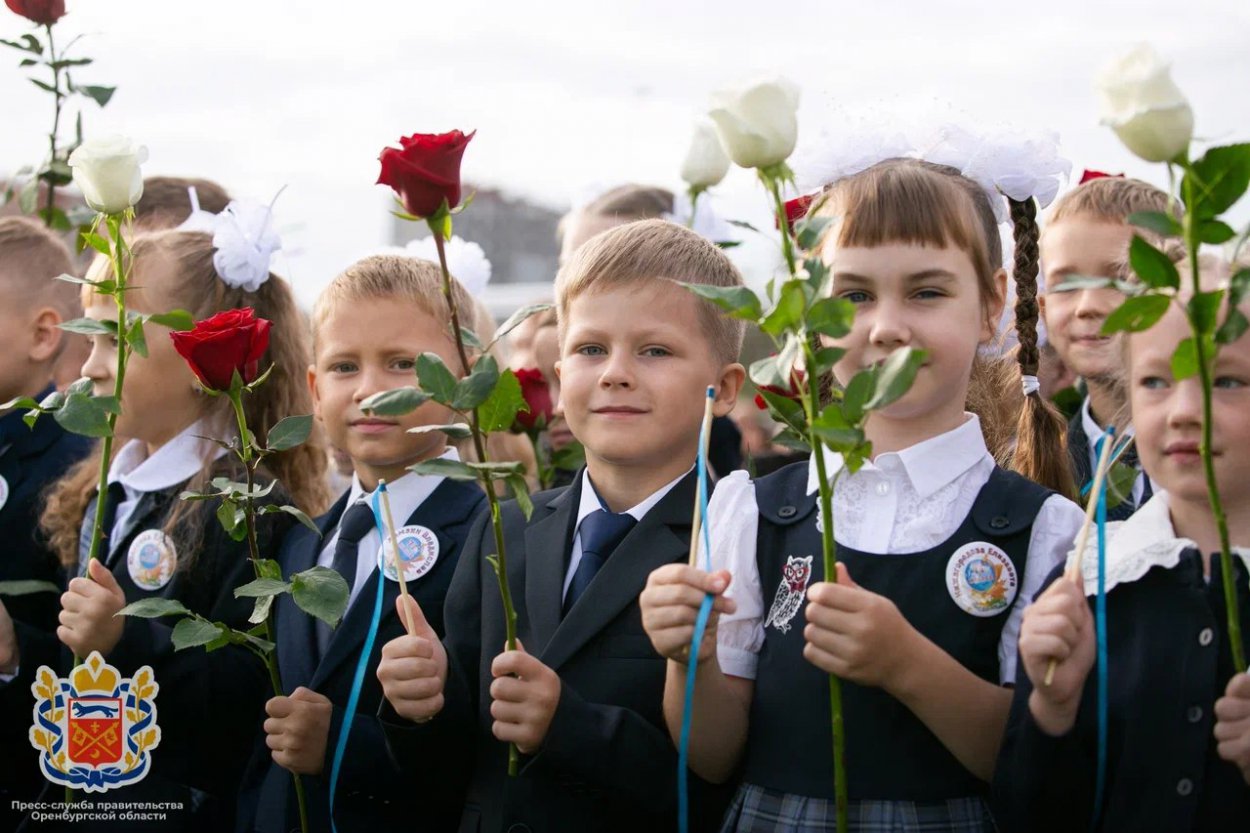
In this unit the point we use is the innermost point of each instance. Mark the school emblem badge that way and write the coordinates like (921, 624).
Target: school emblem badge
(795, 577)
(95, 730)
(151, 560)
(981, 579)
(418, 550)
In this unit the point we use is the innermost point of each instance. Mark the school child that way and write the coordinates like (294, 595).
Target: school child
(1178, 727)
(581, 695)
(369, 327)
(32, 305)
(210, 703)
(1087, 234)
(938, 548)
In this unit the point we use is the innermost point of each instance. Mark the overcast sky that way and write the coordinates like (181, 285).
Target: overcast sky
(566, 95)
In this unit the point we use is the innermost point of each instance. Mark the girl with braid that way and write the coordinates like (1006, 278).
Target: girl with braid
(939, 549)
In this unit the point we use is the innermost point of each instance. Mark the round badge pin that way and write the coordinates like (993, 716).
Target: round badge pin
(418, 550)
(151, 559)
(4, 491)
(981, 579)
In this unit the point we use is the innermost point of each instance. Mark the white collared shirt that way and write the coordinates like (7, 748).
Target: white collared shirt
(590, 502)
(1095, 432)
(902, 502)
(406, 494)
(175, 462)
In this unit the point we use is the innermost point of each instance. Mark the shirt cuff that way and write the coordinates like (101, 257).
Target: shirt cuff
(5, 679)
(736, 662)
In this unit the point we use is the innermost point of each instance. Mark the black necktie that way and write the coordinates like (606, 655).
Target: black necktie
(113, 497)
(601, 532)
(1125, 508)
(356, 523)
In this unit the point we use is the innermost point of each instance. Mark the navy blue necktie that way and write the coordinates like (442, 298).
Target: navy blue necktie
(601, 533)
(356, 523)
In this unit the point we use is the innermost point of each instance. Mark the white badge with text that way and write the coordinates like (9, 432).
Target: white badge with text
(418, 550)
(981, 579)
(4, 491)
(151, 560)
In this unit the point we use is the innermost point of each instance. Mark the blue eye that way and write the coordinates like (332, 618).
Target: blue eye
(930, 294)
(1152, 382)
(856, 296)
(404, 364)
(592, 350)
(1229, 383)
(657, 352)
(342, 367)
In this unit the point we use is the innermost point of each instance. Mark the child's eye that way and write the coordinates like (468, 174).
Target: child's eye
(591, 350)
(404, 364)
(929, 294)
(1229, 382)
(656, 352)
(342, 367)
(1152, 382)
(856, 296)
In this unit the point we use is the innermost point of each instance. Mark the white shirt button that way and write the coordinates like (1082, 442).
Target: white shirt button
(1205, 637)
(883, 488)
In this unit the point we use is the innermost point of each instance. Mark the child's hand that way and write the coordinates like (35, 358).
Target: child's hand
(88, 612)
(1232, 724)
(670, 603)
(1059, 627)
(297, 729)
(8, 642)
(855, 633)
(413, 669)
(525, 694)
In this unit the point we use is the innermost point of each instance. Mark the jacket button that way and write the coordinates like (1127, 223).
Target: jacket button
(1184, 787)
(787, 512)
(998, 522)
(1193, 714)
(1205, 637)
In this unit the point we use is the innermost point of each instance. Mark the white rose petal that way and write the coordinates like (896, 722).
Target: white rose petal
(107, 171)
(758, 125)
(1142, 104)
(706, 163)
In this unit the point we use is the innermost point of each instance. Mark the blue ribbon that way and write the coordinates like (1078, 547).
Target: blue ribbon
(358, 682)
(692, 667)
(1100, 627)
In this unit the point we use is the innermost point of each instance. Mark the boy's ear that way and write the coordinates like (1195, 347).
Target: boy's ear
(312, 390)
(46, 335)
(556, 367)
(732, 377)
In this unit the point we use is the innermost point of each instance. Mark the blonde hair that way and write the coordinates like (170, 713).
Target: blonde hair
(1110, 199)
(624, 203)
(197, 288)
(651, 250)
(31, 260)
(166, 203)
(913, 201)
(396, 276)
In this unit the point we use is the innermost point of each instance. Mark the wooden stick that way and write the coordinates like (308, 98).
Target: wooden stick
(705, 433)
(389, 522)
(1076, 571)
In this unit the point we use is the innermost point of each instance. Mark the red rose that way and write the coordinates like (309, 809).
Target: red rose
(227, 342)
(537, 395)
(426, 171)
(796, 209)
(43, 12)
(795, 392)
(1087, 175)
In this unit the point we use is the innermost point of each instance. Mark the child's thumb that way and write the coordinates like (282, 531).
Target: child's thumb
(101, 575)
(414, 620)
(844, 575)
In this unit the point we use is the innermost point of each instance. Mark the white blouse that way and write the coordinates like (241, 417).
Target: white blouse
(901, 502)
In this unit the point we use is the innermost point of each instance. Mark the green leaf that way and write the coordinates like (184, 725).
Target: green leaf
(135, 338)
(97, 242)
(1238, 286)
(294, 512)
(445, 468)
(738, 301)
(833, 429)
(26, 587)
(1204, 310)
(435, 378)
(1136, 314)
(1215, 232)
(743, 224)
(788, 313)
(230, 517)
(43, 86)
(1185, 357)
(570, 458)
(1120, 481)
(268, 568)
(894, 377)
(192, 633)
(1232, 328)
(259, 587)
(455, 430)
(28, 197)
(1151, 265)
(178, 320)
(1219, 179)
(474, 389)
(856, 394)
(84, 415)
(470, 339)
(1161, 223)
(289, 432)
(514, 320)
(785, 410)
(808, 231)
(320, 592)
(498, 469)
(90, 327)
(499, 410)
(20, 402)
(100, 95)
(764, 372)
(521, 494)
(154, 607)
(831, 316)
(395, 402)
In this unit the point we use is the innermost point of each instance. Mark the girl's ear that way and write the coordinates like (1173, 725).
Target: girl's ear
(994, 309)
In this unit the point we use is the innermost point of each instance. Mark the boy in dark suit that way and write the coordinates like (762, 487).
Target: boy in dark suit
(581, 696)
(32, 305)
(369, 326)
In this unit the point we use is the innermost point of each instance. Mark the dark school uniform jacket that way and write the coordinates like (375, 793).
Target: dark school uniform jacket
(371, 791)
(607, 763)
(1168, 662)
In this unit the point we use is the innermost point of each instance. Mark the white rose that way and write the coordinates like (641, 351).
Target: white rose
(706, 163)
(106, 170)
(757, 124)
(1144, 107)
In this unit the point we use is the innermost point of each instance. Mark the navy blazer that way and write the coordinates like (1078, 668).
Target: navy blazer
(370, 786)
(31, 460)
(607, 763)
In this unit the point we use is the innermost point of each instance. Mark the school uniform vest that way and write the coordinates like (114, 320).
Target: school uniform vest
(890, 753)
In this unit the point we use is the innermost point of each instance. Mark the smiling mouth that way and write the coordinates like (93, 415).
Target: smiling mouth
(372, 426)
(619, 411)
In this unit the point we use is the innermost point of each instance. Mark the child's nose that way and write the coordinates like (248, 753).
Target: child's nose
(889, 325)
(96, 367)
(618, 371)
(1186, 403)
(1091, 303)
(368, 382)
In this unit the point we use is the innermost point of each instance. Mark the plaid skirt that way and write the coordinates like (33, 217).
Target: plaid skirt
(758, 810)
